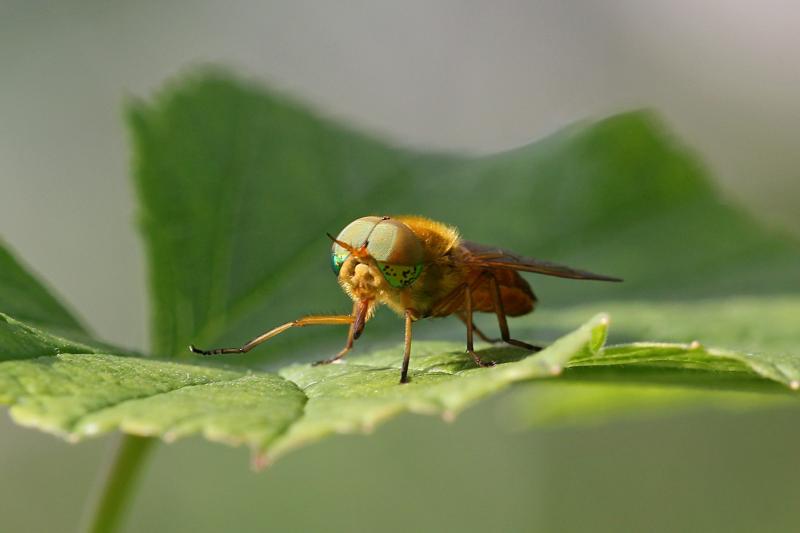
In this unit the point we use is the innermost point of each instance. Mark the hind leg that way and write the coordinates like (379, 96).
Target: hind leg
(470, 329)
(501, 318)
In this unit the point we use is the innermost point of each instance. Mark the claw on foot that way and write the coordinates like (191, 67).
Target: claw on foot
(327, 361)
(195, 349)
(479, 361)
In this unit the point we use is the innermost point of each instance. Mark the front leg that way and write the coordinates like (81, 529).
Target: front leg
(299, 323)
(347, 346)
(360, 315)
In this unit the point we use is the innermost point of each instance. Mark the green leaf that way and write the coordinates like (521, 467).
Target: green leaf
(21, 341)
(363, 392)
(76, 395)
(24, 297)
(636, 380)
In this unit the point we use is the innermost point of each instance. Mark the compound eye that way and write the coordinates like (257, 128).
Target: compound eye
(336, 262)
(400, 276)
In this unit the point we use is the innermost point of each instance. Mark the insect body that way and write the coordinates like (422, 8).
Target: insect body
(422, 268)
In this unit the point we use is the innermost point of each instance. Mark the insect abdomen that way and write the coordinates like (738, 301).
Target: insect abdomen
(517, 296)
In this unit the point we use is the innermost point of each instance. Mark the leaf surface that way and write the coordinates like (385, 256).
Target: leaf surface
(75, 395)
(758, 339)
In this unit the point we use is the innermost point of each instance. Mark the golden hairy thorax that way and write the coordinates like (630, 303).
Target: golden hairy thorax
(437, 238)
(443, 271)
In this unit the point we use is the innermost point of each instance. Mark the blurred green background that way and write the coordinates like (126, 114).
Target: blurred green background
(474, 78)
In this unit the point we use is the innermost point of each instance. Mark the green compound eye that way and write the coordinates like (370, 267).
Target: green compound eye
(400, 276)
(336, 263)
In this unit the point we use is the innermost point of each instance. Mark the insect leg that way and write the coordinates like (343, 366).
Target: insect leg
(470, 329)
(501, 317)
(407, 349)
(477, 331)
(347, 345)
(311, 320)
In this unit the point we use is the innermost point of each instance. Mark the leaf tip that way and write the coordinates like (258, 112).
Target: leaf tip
(598, 327)
(259, 461)
(449, 416)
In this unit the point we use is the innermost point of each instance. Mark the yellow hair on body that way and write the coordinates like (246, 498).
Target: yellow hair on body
(437, 238)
